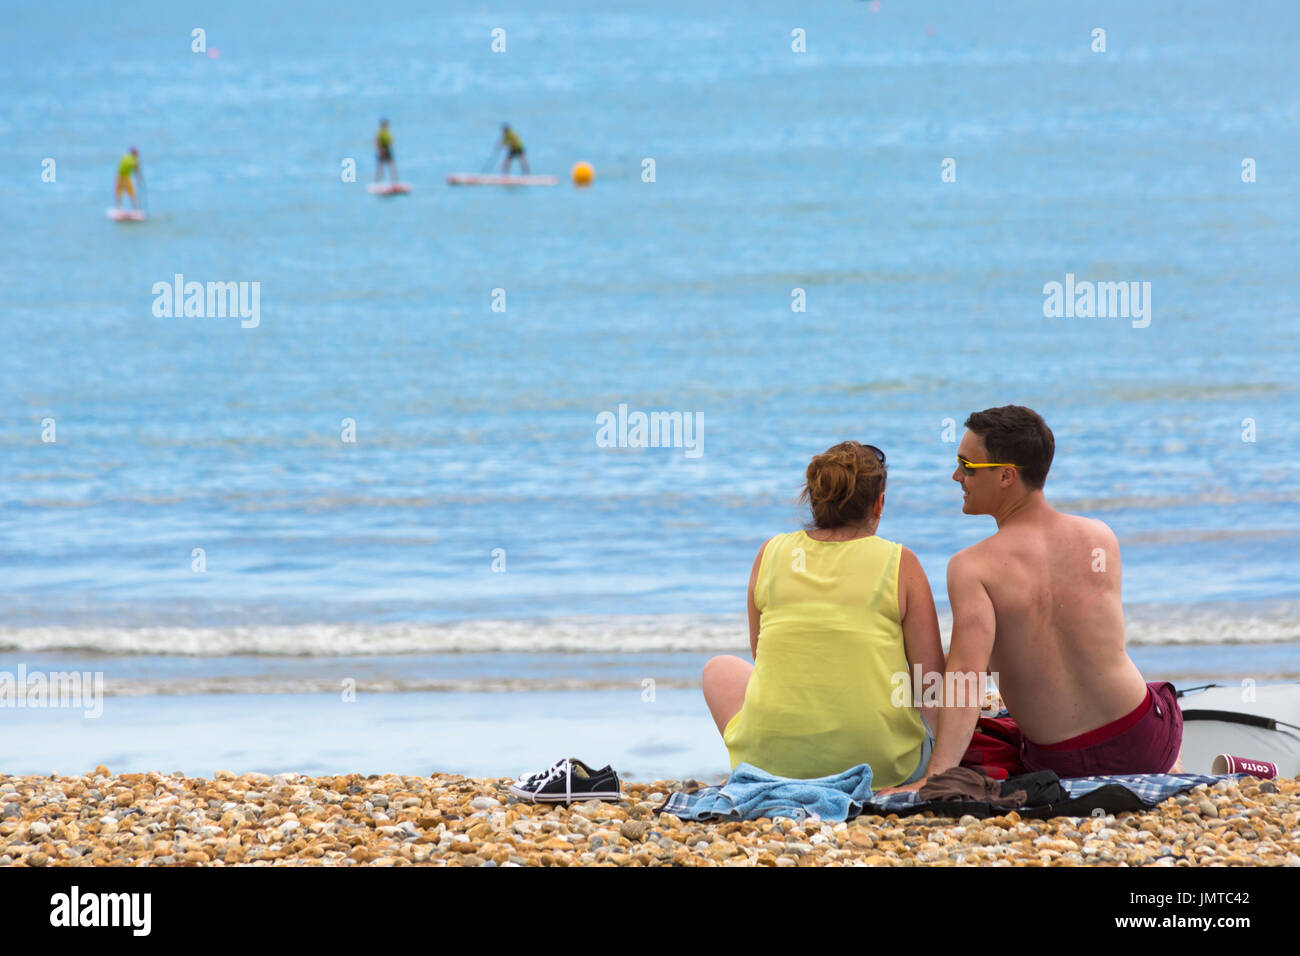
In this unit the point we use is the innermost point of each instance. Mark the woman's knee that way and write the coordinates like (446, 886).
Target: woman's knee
(718, 667)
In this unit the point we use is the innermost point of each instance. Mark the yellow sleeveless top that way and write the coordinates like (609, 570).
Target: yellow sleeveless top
(830, 641)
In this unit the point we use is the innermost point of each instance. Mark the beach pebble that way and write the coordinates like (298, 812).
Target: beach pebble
(634, 830)
(484, 803)
(722, 849)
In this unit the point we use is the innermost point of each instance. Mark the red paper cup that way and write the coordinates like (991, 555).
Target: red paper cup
(1226, 763)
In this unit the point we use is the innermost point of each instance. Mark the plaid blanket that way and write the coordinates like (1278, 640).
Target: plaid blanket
(1148, 789)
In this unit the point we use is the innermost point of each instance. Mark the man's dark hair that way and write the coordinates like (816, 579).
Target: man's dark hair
(1018, 436)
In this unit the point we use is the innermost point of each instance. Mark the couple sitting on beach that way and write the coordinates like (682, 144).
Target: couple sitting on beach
(840, 619)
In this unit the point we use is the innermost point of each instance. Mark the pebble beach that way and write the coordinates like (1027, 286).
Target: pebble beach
(151, 819)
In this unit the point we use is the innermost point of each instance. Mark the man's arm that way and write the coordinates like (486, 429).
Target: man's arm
(973, 627)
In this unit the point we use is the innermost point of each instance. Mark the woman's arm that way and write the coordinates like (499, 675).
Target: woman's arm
(753, 609)
(920, 626)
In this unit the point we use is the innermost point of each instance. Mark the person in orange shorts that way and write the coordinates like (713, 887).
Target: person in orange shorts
(129, 165)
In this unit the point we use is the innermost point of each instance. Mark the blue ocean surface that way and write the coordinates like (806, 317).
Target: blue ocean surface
(396, 475)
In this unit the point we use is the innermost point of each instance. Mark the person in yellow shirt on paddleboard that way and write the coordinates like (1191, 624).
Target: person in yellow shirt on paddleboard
(384, 152)
(510, 141)
(129, 165)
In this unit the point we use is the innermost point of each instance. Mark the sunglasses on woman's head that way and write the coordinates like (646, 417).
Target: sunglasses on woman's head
(880, 455)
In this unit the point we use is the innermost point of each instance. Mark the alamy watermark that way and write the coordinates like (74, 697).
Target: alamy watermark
(211, 300)
(75, 908)
(946, 689)
(82, 689)
(1098, 300)
(651, 430)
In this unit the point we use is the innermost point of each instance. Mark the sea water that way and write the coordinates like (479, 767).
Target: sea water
(388, 527)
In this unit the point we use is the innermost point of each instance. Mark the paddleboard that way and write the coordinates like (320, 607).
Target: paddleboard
(389, 189)
(489, 179)
(126, 215)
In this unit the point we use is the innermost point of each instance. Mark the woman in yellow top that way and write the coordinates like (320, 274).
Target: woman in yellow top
(838, 620)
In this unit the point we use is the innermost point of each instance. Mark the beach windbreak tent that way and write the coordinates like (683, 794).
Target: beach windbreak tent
(1258, 722)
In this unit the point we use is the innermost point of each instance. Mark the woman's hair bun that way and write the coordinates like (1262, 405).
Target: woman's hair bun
(842, 484)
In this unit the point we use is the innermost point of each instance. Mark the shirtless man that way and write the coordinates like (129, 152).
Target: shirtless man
(1038, 603)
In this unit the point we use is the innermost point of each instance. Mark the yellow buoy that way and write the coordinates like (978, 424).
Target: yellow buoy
(582, 173)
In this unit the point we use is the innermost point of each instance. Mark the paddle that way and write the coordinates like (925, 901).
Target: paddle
(144, 205)
(491, 159)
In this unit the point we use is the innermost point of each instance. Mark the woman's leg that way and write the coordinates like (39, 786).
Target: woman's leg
(725, 680)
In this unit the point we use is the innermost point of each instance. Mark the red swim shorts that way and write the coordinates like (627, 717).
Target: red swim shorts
(1147, 740)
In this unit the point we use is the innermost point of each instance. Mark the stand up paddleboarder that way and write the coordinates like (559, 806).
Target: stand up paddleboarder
(384, 153)
(128, 166)
(511, 142)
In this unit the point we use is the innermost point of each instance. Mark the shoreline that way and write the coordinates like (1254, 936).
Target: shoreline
(152, 819)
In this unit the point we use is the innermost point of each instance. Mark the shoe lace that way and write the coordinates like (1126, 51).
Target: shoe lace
(543, 777)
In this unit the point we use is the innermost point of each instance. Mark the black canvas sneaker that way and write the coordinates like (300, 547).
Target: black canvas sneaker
(568, 781)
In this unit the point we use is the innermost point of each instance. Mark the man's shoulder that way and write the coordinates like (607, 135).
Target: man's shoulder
(978, 559)
(1093, 527)
(971, 560)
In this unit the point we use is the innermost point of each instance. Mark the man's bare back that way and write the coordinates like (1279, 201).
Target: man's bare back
(1058, 648)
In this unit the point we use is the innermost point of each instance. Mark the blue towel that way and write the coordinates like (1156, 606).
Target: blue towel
(750, 794)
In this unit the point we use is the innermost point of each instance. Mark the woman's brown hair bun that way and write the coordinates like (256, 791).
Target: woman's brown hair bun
(842, 484)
